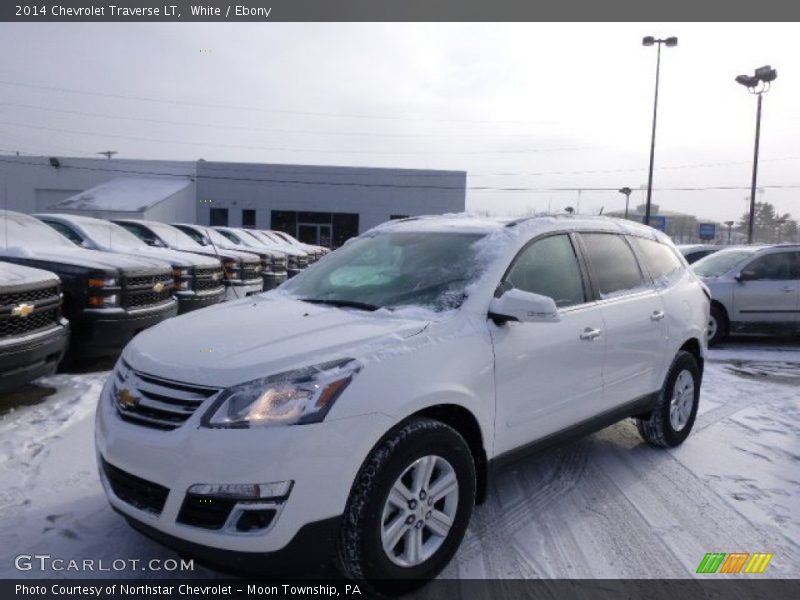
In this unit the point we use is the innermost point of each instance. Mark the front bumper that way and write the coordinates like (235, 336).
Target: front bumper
(29, 357)
(322, 459)
(102, 332)
(192, 301)
(273, 280)
(242, 289)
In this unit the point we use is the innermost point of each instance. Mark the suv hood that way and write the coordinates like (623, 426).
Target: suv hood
(258, 336)
(14, 275)
(90, 259)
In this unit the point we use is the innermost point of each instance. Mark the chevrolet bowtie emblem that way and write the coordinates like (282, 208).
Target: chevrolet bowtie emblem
(22, 310)
(158, 287)
(126, 398)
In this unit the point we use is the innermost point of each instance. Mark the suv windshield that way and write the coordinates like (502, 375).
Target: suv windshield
(111, 235)
(21, 230)
(719, 263)
(392, 269)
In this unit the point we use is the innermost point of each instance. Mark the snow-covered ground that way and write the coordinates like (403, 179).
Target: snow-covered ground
(607, 506)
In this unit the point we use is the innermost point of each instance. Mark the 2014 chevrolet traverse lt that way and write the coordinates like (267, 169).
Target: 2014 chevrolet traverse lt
(357, 410)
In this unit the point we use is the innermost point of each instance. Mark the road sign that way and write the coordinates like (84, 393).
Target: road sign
(707, 231)
(657, 222)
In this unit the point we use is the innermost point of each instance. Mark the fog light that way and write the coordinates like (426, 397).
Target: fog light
(253, 520)
(244, 491)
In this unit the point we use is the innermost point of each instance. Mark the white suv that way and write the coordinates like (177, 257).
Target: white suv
(358, 410)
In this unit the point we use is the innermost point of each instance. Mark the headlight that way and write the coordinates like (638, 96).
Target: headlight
(183, 278)
(99, 283)
(292, 398)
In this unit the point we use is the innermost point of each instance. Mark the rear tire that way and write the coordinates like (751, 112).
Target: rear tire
(673, 416)
(717, 325)
(409, 507)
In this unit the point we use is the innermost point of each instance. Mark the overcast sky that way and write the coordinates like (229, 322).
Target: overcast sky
(532, 106)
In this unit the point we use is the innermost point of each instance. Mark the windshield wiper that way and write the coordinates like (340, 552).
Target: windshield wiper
(342, 303)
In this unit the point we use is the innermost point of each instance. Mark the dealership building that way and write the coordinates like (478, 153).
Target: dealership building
(317, 204)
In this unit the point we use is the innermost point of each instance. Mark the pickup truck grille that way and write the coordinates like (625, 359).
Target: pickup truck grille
(154, 402)
(250, 271)
(46, 305)
(140, 290)
(208, 278)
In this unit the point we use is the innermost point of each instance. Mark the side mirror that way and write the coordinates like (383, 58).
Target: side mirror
(745, 276)
(86, 244)
(526, 307)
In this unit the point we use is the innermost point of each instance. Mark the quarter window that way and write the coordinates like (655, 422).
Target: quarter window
(612, 265)
(659, 258)
(549, 267)
(777, 267)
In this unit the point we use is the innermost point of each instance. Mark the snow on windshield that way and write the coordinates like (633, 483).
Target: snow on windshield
(720, 262)
(111, 235)
(173, 236)
(397, 269)
(18, 230)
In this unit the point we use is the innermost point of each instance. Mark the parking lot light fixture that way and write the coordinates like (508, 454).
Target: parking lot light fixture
(627, 192)
(757, 84)
(669, 42)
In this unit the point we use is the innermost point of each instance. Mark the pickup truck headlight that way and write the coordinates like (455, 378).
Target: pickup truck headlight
(293, 398)
(183, 279)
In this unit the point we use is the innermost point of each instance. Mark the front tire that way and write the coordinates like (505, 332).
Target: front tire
(673, 416)
(717, 325)
(409, 507)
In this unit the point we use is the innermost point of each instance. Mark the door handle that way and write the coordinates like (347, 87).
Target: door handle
(788, 289)
(590, 334)
(657, 315)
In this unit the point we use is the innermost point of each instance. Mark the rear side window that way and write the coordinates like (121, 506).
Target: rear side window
(549, 267)
(612, 265)
(659, 259)
(780, 266)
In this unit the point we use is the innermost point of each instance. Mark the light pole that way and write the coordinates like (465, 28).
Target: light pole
(627, 192)
(758, 84)
(670, 42)
(730, 226)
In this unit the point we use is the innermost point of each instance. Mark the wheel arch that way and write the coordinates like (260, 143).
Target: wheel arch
(695, 348)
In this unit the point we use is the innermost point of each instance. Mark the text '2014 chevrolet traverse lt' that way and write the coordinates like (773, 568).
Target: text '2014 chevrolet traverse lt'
(357, 411)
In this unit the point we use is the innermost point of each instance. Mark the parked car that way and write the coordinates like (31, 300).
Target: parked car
(242, 270)
(198, 279)
(299, 259)
(33, 334)
(367, 408)
(754, 289)
(273, 262)
(108, 298)
(694, 252)
(317, 251)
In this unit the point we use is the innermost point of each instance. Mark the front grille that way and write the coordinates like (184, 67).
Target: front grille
(13, 326)
(140, 299)
(139, 290)
(210, 278)
(46, 313)
(205, 511)
(148, 280)
(14, 298)
(155, 402)
(250, 271)
(133, 490)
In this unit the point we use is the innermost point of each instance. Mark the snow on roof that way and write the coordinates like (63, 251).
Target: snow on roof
(131, 194)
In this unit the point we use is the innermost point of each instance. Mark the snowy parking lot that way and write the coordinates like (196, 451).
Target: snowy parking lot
(606, 506)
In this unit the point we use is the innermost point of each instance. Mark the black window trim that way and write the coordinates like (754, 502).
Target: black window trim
(645, 275)
(588, 292)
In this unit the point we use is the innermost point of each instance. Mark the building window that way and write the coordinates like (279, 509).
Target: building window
(249, 218)
(318, 228)
(218, 216)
